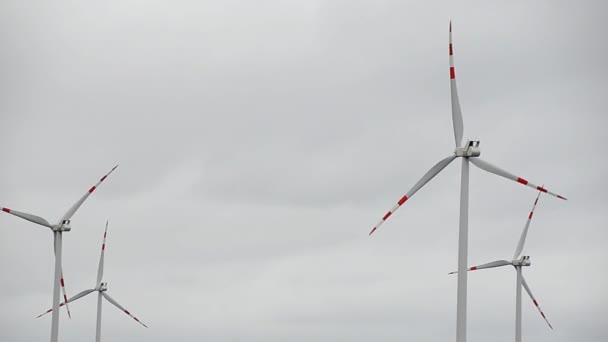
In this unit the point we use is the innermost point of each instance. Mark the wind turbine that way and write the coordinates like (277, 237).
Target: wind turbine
(518, 262)
(63, 225)
(468, 151)
(101, 289)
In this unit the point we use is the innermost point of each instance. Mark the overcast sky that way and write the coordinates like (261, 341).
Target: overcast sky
(260, 141)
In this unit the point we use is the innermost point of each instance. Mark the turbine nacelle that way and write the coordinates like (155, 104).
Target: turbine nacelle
(102, 287)
(63, 226)
(469, 149)
(523, 261)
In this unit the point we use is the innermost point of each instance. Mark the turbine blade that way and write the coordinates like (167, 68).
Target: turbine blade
(101, 257)
(484, 165)
(456, 112)
(32, 218)
(77, 205)
(62, 282)
(76, 297)
(492, 264)
(425, 179)
(524, 233)
(65, 296)
(111, 300)
(523, 281)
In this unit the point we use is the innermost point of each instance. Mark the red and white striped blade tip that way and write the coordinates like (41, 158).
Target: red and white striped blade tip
(539, 188)
(49, 311)
(399, 204)
(94, 187)
(65, 296)
(135, 318)
(427, 177)
(484, 165)
(542, 313)
(474, 268)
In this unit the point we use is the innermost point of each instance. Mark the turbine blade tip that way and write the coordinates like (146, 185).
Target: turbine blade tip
(373, 230)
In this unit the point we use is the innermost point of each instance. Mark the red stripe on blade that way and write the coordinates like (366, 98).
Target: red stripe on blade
(402, 200)
(534, 301)
(451, 51)
(539, 188)
(530, 217)
(103, 247)
(452, 74)
(522, 181)
(373, 230)
(92, 189)
(387, 215)
(103, 178)
(7, 210)
(62, 284)
(473, 268)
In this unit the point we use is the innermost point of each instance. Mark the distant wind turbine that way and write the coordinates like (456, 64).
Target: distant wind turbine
(469, 151)
(518, 263)
(101, 289)
(62, 226)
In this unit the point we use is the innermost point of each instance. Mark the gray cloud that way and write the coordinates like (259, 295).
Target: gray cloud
(259, 143)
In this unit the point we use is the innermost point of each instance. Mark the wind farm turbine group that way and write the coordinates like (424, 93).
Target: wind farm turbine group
(63, 225)
(469, 152)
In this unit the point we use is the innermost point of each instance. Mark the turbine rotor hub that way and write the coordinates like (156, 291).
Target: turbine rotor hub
(469, 149)
(523, 261)
(103, 287)
(64, 226)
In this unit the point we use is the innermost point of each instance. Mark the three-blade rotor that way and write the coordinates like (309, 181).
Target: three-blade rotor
(58, 227)
(514, 262)
(68, 215)
(104, 294)
(458, 126)
(99, 287)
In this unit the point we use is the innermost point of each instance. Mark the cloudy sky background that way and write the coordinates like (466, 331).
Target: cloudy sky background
(259, 142)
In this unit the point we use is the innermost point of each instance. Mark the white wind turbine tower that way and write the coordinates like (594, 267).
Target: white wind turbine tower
(63, 225)
(468, 152)
(518, 262)
(101, 289)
